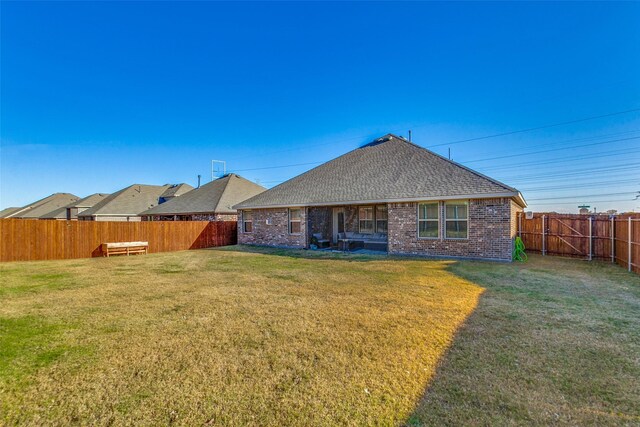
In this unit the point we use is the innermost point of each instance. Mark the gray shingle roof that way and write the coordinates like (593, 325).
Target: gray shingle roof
(217, 196)
(44, 206)
(8, 211)
(176, 190)
(385, 170)
(86, 202)
(129, 201)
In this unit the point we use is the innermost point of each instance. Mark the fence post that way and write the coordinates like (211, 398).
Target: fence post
(613, 239)
(629, 236)
(544, 246)
(590, 238)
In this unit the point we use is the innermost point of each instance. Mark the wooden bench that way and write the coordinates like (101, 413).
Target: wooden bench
(124, 248)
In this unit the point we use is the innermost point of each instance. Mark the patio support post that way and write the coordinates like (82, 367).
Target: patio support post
(544, 246)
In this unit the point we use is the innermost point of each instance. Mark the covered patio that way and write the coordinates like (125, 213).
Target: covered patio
(349, 227)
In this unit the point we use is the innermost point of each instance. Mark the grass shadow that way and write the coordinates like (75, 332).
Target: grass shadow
(550, 342)
(337, 255)
(303, 253)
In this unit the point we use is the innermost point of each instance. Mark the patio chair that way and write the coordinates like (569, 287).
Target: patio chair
(322, 243)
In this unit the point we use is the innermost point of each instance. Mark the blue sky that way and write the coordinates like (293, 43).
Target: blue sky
(97, 96)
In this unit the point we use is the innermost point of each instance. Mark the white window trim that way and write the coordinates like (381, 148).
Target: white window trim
(297, 220)
(244, 230)
(455, 202)
(438, 237)
(373, 219)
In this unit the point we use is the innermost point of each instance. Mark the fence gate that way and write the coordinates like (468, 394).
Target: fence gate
(613, 238)
(577, 236)
(567, 237)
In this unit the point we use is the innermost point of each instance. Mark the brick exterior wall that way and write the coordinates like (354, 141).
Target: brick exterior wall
(491, 231)
(492, 227)
(515, 209)
(276, 234)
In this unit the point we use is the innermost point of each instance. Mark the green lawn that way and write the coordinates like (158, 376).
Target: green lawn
(271, 337)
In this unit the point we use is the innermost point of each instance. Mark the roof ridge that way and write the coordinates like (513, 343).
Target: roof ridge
(495, 181)
(224, 189)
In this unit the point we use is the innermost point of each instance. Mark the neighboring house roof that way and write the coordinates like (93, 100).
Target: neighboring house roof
(218, 196)
(129, 201)
(8, 211)
(176, 190)
(44, 206)
(389, 169)
(86, 202)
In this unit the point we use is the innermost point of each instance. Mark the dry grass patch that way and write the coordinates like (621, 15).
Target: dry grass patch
(224, 337)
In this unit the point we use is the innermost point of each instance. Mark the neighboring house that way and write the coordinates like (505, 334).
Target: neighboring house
(211, 202)
(6, 212)
(70, 211)
(394, 195)
(43, 206)
(126, 204)
(174, 191)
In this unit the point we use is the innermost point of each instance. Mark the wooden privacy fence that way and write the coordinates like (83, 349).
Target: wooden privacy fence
(614, 238)
(29, 240)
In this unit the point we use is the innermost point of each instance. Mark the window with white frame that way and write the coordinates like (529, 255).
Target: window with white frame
(247, 221)
(295, 221)
(365, 219)
(381, 219)
(456, 219)
(428, 220)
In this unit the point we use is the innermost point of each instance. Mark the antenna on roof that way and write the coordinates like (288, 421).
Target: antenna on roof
(199, 176)
(409, 135)
(224, 168)
(449, 153)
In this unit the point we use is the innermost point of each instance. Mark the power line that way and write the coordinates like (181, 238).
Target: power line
(573, 172)
(616, 153)
(552, 149)
(576, 202)
(583, 185)
(563, 159)
(585, 196)
(536, 128)
(542, 177)
(469, 161)
(277, 167)
(334, 142)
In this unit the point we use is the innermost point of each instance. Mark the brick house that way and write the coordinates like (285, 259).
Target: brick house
(128, 203)
(390, 195)
(40, 207)
(70, 212)
(210, 202)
